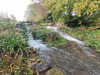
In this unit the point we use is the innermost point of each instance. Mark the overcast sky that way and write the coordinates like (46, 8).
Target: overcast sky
(15, 7)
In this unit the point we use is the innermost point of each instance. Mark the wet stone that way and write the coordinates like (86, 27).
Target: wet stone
(41, 68)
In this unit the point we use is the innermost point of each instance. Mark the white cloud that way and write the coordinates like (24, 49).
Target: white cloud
(16, 7)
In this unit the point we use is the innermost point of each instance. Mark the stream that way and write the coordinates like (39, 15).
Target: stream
(74, 59)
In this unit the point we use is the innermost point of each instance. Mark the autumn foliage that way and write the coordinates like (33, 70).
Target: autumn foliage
(69, 12)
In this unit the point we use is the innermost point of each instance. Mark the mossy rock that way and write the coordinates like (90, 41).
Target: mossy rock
(53, 71)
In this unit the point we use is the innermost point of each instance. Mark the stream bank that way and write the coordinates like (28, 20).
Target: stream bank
(90, 35)
(16, 56)
(44, 68)
(70, 60)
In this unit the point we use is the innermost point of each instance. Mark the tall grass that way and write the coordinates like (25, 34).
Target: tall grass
(13, 52)
(12, 43)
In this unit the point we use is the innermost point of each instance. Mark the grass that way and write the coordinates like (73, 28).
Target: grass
(8, 43)
(91, 37)
(49, 36)
(14, 52)
(6, 25)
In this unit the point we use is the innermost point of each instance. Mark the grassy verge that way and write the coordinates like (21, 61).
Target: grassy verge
(49, 36)
(91, 37)
(14, 52)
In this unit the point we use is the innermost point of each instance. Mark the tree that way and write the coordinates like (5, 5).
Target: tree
(35, 12)
(13, 18)
(62, 10)
(85, 9)
(4, 17)
(55, 7)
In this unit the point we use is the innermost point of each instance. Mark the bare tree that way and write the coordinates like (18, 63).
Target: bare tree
(13, 18)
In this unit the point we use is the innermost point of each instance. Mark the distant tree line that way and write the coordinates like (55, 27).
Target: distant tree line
(69, 12)
(4, 17)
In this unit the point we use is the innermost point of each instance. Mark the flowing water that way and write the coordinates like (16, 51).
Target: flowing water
(75, 59)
